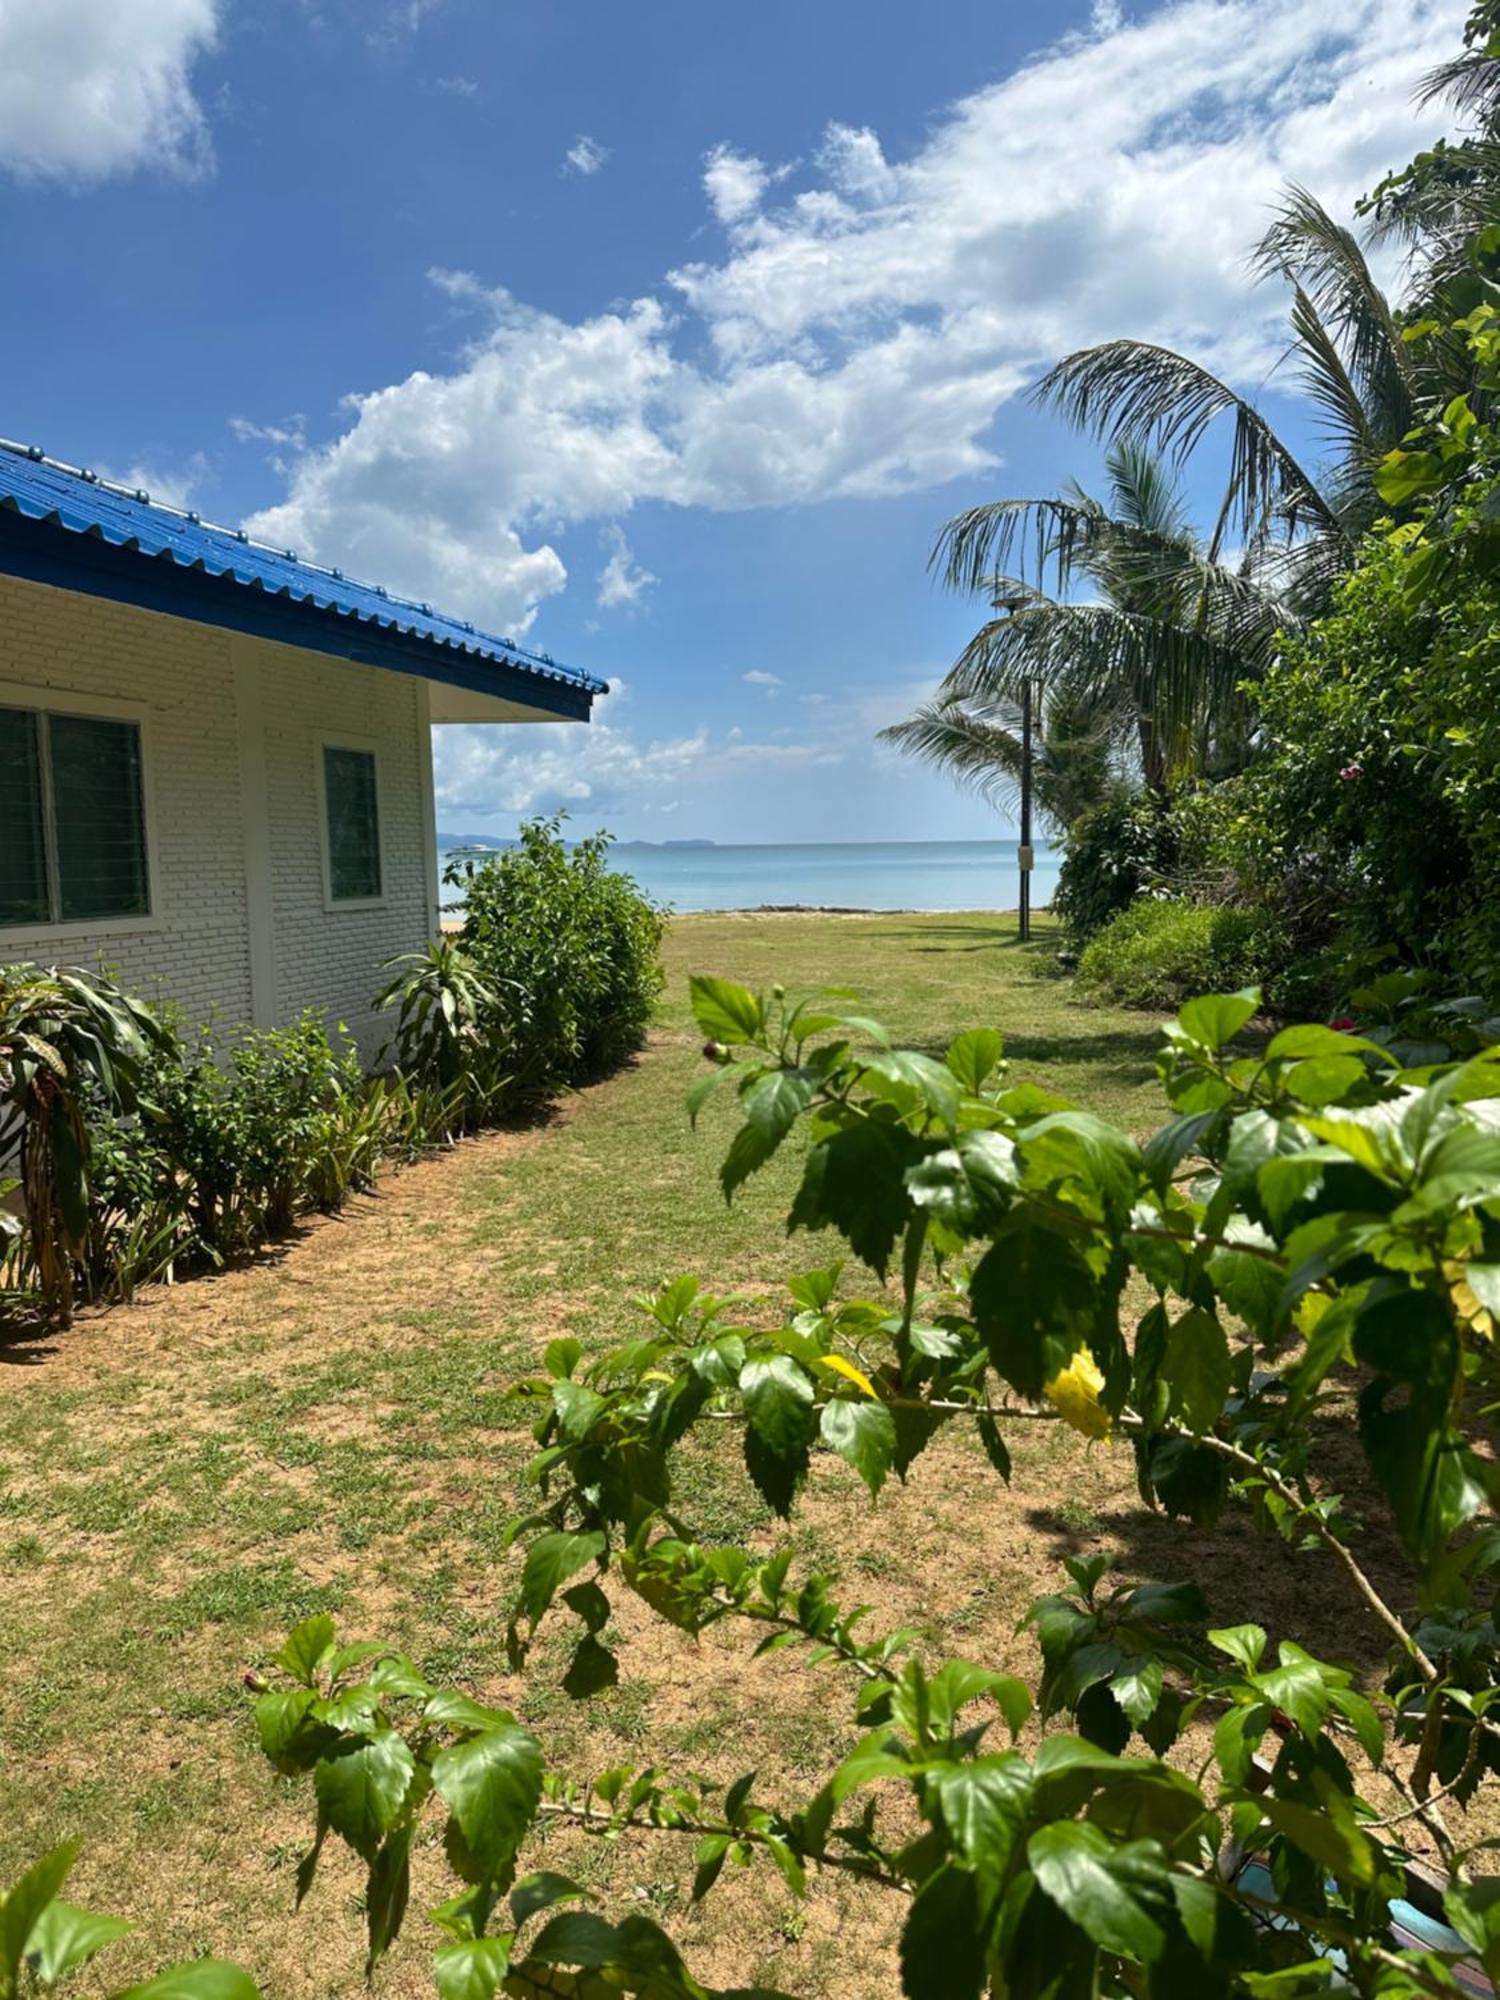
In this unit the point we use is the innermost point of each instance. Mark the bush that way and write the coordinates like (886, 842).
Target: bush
(1157, 953)
(1113, 855)
(577, 943)
(457, 1032)
(1180, 1807)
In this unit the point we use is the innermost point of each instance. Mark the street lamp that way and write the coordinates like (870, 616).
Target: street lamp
(1024, 857)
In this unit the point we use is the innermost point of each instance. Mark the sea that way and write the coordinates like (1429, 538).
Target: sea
(838, 875)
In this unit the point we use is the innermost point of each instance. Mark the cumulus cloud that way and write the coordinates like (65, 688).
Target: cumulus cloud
(622, 580)
(869, 315)
(585, 156)
(759, 678)
(92, 88)
(734, 183)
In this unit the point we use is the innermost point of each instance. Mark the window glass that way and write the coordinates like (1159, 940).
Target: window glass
(353, 824)
(23, 854)
(101, 835)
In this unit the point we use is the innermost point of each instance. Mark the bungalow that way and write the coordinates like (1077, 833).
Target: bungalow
(215, 759)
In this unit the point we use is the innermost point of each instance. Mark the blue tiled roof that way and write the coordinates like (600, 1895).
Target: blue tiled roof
(42, 489)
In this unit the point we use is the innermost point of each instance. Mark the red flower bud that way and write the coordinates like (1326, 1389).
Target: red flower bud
(1350, 772)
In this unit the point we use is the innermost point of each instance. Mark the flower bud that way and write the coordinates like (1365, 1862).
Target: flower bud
(716, 1052)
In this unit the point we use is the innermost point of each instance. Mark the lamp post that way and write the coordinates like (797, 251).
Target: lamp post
(1025, 855)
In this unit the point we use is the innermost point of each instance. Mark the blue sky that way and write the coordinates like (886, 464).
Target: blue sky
(663, 335)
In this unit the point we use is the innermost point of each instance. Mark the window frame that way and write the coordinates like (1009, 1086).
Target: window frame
(100, 708)
(366, 746)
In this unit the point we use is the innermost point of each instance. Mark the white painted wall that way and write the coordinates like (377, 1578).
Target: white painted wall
(232, 732)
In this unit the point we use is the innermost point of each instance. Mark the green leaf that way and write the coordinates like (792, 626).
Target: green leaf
(855, 1181)
(562, 1356)
(1218, 1017)
(1403, 475)
(1117, 1895)
(25, 1901)
(306, 1648)
(637, 1947)
(1137, 1688)
(708, 1858)
(542, 1890)
(968, 1183)
(942, 1944)
(1473, 1909)
(362, 1786)
(774, 1103)
(726, 1012)
(1327, 1835)
(289, 1734)
(1243, 1643)
(974, 1056)
(204, 1979)
(578, 1409)
(778, 1396)
(473, 1969)
(1297, 1688)
(64, 1938)
(492, 1785)
(863, 1434)
(1197, 1369)
(460, 1711)
(550, 1561)
(749, 1151)
(387, 1893)
(905, 1072)
(984, 1806)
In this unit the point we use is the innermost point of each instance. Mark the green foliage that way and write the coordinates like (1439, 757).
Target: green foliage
(456, 1030)
(1114, 855)
(576, 941)
(64, 1036)
(1314, 1221)
(1155, 953)
(44, 1941)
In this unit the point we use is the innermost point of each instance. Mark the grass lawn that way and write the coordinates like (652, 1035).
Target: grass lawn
(182, 1479)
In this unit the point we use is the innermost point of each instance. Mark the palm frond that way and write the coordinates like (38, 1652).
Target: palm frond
(976, 547)
(1323, 259)
(1132, 389)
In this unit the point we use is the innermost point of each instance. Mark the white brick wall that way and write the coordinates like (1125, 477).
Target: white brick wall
(197, 948)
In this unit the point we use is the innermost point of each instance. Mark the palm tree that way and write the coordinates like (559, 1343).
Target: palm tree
(978, 742)
(1155, 658)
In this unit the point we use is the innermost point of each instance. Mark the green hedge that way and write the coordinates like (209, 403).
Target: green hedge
(1158, 954)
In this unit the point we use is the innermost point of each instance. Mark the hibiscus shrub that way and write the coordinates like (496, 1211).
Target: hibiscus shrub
(1299, 1268)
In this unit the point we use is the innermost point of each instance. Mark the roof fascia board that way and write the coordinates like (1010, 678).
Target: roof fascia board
(42, 552)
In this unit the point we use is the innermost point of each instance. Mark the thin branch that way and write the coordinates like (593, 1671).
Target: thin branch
(1339, 1550)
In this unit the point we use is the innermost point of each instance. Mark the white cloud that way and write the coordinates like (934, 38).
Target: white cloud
(758, 677)
(734, 183)
(457, 86)
(91, 88)
(171, 485)
(585, 156)
(622, 580)
(864, 326)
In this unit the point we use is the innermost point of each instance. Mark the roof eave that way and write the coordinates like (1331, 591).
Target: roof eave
(47, 552)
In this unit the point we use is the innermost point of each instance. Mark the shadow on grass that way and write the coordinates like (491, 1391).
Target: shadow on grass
(1243, 1574)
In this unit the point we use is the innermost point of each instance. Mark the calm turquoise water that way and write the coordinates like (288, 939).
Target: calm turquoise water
(864, 875)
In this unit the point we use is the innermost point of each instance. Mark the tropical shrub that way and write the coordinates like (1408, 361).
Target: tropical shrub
(63, 1036)
(44, 1941)
(577, 940)
(238, 1139)
(1158, 952)
(456, 1030)
(1114, 855)
(1308, 1248)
